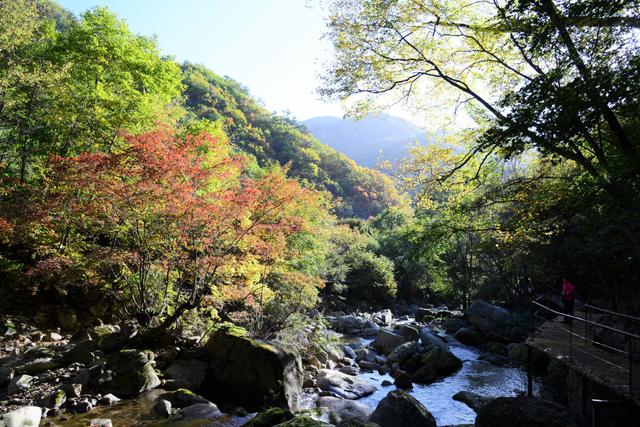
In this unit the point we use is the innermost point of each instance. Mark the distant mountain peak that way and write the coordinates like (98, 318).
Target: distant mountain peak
(364, 140)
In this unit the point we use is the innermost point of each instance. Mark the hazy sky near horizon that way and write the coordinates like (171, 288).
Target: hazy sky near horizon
(273, 47)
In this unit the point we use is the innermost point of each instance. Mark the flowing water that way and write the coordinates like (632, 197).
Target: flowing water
(475, 376)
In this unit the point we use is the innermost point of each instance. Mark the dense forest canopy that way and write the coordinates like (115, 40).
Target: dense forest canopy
(549, 185)
(163, 190)
(172, 196)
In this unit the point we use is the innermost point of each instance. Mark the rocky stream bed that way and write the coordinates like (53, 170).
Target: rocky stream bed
(427, 367)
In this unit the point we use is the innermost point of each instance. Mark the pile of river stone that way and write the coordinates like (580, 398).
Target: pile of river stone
(51, 376)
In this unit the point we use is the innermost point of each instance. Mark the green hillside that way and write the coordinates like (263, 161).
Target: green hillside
(272, 138)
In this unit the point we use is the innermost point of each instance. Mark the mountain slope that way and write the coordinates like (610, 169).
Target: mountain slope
(273, 139)
(369, 140)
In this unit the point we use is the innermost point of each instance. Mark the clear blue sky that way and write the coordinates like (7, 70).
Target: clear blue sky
(273, 47)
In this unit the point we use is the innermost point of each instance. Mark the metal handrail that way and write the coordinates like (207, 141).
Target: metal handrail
(604, 310)
(630, 340)
(589, 322)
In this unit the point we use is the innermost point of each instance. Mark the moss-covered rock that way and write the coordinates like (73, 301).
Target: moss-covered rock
(250, 372)
(132, 373)
(183, 397)
(303, 421)
(270, 417)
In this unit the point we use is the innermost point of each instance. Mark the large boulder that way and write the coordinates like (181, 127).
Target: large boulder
(436, 363)
(429, 339)
(383, 317)
(28, 416)
(187, 373)
(470, 337)
(400, 409)
(343, 385)
(341, 410)
(403, 353)
(182, 398)
(528, 411)
(386, 341)
(349, 323)
(488, 318)
(199, 413)
(133, 373)
(251, 373)
(474, 401)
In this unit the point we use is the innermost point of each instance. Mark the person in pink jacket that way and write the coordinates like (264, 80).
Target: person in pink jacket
(568, 298)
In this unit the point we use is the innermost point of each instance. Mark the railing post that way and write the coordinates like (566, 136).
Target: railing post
(570, 340)
(630, 354)
(529, 374)
(586, 324)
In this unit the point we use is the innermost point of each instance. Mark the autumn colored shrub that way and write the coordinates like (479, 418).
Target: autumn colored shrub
(165, 225)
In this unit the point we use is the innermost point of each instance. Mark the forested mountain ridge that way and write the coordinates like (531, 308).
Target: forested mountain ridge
(271, 138)
(374, 138)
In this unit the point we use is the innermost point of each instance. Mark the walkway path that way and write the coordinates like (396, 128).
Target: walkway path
(615, 368)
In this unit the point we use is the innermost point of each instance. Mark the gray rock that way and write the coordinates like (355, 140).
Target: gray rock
(80, 336)
(100, 422)
(474, 401)
(429, 339)
(498, 348)
(436, 363)
(452, 325)
(6, 375)
(55, 399)
(488, 318)
(251, 373)
(108, 399)
(350, 370)
(525, 412)
(425, 314)
(470, 337)
(80, 406)
(344, 385)
(72, 389)
(182, 398)
(28, 416)
(365, 354)
(67, 319)
(188, 373)
(162, 408)
(383, 317)
(403, 353)
(199, 411)
(387, 341)
(81, 353)
(36, 366)
(409, 332)
(403, 380)
(368, 366)
(349, 323)
(349, 352)
(400, 409)
(133, 373)
(341, 410)
(19, 384)
(54, 336)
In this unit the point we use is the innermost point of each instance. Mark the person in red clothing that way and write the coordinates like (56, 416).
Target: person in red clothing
(568, 298)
